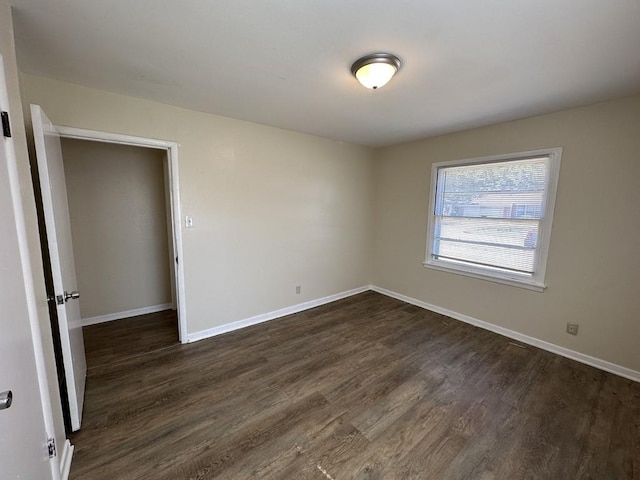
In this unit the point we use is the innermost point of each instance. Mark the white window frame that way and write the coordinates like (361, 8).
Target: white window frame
(533, 282)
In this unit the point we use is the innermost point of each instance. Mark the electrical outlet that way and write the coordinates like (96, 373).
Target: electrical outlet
(572, 328)
(298, 289)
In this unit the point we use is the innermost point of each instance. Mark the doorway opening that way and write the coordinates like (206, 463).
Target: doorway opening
(120, 214)
(166, 152)
(54, 216)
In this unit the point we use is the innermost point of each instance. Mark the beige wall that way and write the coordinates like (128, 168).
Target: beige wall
(7, 50)
(272, 209)
(593, 265)
(118, 224)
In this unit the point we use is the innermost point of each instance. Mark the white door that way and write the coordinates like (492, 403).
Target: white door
(23, 452)
(56, 216)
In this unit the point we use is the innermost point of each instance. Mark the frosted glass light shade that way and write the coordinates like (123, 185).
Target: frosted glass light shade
(375, 71)
(375, 75)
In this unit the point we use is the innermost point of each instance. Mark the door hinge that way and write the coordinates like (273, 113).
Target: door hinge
(51, 447)
(6, 126)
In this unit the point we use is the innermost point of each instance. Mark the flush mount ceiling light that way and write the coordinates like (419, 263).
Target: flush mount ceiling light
(375, 70)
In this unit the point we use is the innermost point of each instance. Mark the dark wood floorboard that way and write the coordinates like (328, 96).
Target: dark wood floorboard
(364, 388)
(120, 339)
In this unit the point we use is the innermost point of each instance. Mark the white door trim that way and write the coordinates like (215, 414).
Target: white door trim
(174, 192)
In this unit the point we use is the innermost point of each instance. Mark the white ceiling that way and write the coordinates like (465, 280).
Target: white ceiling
(285, 63)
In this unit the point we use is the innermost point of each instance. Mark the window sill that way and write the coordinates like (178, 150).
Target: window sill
(513, 282)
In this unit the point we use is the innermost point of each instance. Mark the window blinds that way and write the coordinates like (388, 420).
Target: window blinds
(489, 215)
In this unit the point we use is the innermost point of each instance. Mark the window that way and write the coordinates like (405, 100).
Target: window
(491, 217)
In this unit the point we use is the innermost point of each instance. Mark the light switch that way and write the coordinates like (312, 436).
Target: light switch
(188, 221)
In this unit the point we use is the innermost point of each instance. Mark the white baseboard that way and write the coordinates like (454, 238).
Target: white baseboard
(550, 347)
(129, 313)
(265, 317)
(65, 460)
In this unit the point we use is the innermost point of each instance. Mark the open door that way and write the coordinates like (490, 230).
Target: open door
(58, 226)
(22, 425)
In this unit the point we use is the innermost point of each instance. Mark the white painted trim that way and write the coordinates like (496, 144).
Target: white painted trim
(174, 193)
(108, 137)
(550, 347)
(109, 317)
(65, 460)
(466, 271)
(265, 317)
(176, 214)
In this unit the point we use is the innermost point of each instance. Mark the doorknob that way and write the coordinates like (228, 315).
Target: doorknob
(68, 296)
(5, 399)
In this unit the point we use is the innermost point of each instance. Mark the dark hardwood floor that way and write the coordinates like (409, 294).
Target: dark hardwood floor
(364, 388)
(121, 339)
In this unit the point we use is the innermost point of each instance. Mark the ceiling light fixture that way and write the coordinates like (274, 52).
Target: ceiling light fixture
(375, 70)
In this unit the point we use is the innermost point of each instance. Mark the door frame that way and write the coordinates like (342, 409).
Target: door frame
(174, 195)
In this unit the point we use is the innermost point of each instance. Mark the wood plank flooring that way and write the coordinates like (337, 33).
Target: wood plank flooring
(364, 388)
(118, 340)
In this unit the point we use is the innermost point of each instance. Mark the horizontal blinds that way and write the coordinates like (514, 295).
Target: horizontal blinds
(489, 215)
